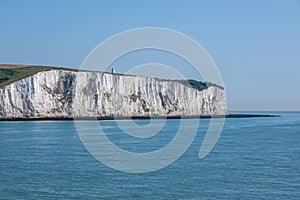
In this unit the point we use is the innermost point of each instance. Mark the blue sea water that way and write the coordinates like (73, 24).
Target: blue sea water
(255, 158)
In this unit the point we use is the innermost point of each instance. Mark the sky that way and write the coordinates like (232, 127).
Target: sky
(255, 44)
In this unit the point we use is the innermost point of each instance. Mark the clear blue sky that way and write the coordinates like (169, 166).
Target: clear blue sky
(255, 44)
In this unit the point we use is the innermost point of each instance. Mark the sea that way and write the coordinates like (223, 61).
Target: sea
(254, 158)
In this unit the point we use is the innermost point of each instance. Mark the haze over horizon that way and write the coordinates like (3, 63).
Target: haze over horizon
(255, 44)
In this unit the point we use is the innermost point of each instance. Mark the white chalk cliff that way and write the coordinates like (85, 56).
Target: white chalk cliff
(61, 93)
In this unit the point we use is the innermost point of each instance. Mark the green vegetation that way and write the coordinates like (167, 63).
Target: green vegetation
(12, 73)
(198, 85)
(9, 75)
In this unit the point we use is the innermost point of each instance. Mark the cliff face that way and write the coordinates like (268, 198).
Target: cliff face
(59, 93)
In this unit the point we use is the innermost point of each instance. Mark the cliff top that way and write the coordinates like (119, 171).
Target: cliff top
(10, 73)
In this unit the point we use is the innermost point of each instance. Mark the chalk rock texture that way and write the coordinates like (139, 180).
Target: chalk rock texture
(61, 93)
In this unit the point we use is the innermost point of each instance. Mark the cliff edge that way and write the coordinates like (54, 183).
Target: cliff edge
(70, 93)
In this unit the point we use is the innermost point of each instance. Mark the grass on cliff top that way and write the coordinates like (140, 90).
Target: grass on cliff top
(13, 73)
(198, 85)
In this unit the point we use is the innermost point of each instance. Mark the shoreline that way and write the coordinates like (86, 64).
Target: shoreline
(138, 117)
